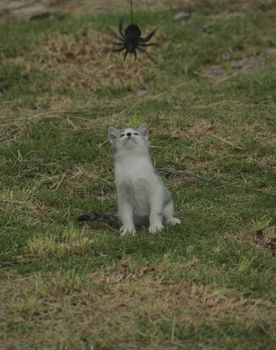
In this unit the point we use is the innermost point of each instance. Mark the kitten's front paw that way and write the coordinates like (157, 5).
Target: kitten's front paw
(173, 221)
(156, 228)
(127, 230)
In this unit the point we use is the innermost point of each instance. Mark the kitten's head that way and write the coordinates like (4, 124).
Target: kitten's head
(129, 139)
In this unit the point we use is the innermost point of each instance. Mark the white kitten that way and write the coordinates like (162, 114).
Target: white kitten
(142, 196)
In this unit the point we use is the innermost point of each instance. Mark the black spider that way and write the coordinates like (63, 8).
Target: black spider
(131, 40)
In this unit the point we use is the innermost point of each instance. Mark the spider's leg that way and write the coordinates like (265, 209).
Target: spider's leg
(147, 44)
(121, 28)
(115, 34)
(125, 55)
(147, 54)
(118, 50)
(147, 38)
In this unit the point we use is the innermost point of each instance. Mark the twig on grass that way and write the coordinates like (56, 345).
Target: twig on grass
(225, 141)
(220, 182)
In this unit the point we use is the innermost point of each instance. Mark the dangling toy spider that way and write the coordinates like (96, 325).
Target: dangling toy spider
(131, 40)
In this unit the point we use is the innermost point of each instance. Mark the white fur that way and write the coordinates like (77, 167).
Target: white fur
(142, 196)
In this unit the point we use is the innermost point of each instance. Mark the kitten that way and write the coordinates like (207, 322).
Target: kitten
(142, 196)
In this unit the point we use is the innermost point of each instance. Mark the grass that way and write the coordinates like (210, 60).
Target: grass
(210, 103)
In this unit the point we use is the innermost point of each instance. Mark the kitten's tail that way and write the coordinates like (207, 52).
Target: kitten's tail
(108, 219)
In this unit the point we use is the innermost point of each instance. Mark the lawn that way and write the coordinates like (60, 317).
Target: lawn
(210, 102)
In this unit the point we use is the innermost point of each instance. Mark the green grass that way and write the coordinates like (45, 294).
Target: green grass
(207, 284)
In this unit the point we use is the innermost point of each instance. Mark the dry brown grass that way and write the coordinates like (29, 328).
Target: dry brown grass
(85, 60)
(115, 304)
(82, 60)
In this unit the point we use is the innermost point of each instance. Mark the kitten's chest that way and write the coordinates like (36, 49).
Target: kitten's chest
(135, 180)
(137, 191)
(131, 169)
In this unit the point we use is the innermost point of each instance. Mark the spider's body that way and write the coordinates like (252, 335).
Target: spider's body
(131, 40)
(132, 36)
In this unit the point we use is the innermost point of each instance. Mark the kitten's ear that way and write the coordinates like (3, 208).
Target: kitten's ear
(113, 134)
(144, 130)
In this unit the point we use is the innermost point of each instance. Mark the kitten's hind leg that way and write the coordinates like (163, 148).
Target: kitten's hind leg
(168, 215)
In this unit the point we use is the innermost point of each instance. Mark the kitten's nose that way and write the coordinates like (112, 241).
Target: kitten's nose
(129, 134)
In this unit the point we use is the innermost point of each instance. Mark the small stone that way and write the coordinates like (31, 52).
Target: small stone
(213, 72)
(217, 72)
(247, 63)
(141, 93)
(239, 63)
(179, 16)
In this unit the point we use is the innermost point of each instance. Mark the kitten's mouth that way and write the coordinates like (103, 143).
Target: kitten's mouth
(130, 139)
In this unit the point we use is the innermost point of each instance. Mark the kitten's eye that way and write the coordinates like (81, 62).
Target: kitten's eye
(122, 135)
(136, 133)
